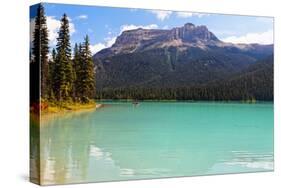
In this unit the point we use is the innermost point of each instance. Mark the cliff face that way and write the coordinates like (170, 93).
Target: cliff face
(192, 33)
(142, 39)
(183, 56)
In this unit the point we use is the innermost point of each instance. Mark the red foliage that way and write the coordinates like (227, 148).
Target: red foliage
(36, 107)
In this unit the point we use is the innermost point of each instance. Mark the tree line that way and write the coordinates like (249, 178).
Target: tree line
(251, 84)
(208, 93)
(63, 76)
(256, 84)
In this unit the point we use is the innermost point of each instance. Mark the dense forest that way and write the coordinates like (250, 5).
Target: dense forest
(253, 83)
(63, 77)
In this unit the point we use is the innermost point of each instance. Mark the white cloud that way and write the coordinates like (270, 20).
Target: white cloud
(161, 14)
(53, 28)
(260, 38)
(131, 27)
(164, 14)
(82, 17)
(190, 14)
(97, 47)
(184, 14)
(108, 42)
(223, 32)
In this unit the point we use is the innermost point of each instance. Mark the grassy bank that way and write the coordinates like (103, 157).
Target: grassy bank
(48, 107)
(51, 110)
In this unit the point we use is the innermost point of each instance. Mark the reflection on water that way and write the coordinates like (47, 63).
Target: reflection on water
(252, 160)
(34, 152)
(122, 141)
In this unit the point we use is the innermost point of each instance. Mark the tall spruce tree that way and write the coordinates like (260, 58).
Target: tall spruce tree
(79, 72)
(40, 50)
(52, 62)
(86, 75)
(76, 61)
(63, 77)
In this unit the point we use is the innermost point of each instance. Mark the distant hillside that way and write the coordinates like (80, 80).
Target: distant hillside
(184, 57)
(255, 82)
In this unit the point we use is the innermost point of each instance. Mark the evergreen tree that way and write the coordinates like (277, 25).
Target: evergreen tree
(40, 49)
(51, 75)
(54, 54)
(76, 61)
(63, 77)
(79, 72)
(86, 75)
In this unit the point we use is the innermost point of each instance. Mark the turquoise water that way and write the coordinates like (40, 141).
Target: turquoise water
(123, 141)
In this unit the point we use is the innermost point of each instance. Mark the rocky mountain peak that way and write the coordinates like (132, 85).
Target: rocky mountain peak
(189, 26)
(191, 33)
(143, 39)
(188, 33)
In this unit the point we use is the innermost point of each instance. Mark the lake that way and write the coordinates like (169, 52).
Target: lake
(122, 141)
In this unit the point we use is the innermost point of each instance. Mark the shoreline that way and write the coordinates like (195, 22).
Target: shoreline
(54, 112)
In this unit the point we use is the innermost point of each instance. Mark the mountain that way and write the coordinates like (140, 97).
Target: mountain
(188, 56)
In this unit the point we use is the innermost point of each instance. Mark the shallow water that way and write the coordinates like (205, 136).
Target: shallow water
(123, 141)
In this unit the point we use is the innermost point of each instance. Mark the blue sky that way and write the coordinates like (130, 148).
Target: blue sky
(104, 24)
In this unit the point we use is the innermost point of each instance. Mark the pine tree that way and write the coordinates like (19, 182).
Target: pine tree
(63, 77)
(40, 49)
(79, 72)
(54, 54)
(86, 75)
(76, 61)
(52, 73)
